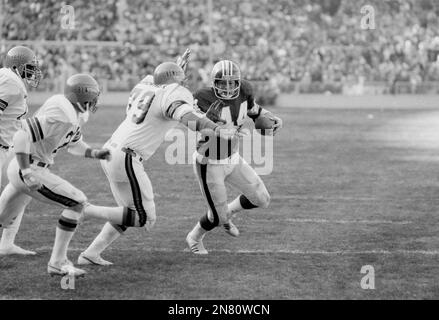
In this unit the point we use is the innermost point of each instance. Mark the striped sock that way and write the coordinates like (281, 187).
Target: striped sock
(64, 233)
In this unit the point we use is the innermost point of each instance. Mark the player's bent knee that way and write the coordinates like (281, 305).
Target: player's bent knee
(150, 215)
(69, 220)
(263, 197)
(265, 200)
(79, 208)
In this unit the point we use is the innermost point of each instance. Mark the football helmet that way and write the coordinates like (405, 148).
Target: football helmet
(226, 80)
(169, 72)
(23, 61)
(82, 90)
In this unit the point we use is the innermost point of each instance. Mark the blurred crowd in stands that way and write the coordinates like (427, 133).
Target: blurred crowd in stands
(302, 45)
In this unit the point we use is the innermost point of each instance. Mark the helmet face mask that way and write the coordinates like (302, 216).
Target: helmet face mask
(93, 105)
(227, 89)
(31, 74)
(226, 80)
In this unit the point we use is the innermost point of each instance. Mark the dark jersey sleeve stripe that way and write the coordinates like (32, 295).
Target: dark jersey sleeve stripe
(34, 139)
(173, 107)
(3, 104)
(40, 130)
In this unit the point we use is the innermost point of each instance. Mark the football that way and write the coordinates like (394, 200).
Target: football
(264, 124)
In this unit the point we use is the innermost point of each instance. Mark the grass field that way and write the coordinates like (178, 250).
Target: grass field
(349, 188)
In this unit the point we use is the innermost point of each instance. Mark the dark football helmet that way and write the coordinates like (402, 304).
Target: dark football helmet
(23, 61)
(83, 92)
(226, 79)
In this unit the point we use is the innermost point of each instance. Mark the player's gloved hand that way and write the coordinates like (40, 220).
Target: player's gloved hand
(102, 154)
(214, 112)
(30, 180)
(183, 60)
(277, 123)
(226, 133)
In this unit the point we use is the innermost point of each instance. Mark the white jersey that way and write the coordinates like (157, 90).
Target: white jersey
(55, 125)
(13, 104)
(149, 111)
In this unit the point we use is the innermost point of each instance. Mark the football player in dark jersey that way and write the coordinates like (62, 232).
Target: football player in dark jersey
(229, 100)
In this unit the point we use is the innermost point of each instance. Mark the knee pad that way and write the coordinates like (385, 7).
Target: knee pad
(145, 216)
(263, 197)
(69, 220)
(260, 198)
(150, 215)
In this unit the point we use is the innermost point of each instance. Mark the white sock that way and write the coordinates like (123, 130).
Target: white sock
(62, 241)
(103, 240)
(9, 233)
(197, 232)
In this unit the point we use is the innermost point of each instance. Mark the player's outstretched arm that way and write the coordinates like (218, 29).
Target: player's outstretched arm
(197, 121)
(22, 143)
(81, 148)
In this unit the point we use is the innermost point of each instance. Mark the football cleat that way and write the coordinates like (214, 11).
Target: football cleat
(231, 229)
(14, 249)
(64, 268)
(195, 247)
(84, 259)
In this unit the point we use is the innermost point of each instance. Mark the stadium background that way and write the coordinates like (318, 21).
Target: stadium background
(355, 175)
(300, 46)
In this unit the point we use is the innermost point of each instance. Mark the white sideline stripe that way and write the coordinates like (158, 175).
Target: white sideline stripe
(280, 251)
(303, 220)
(279, 219)
(319, 198)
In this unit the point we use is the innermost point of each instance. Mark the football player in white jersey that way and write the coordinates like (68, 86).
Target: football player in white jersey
(20, 70)
(154, 107)
(54, 126)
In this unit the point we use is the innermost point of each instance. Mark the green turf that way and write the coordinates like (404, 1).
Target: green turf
(345, 185)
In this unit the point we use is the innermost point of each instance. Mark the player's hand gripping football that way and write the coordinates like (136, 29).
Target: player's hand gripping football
(30, 180)
(277, 123)
(183, 60)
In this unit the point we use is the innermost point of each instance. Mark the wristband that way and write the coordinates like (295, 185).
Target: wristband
(89, 153)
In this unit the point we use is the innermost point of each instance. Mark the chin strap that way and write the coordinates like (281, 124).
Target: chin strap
(80, 107)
